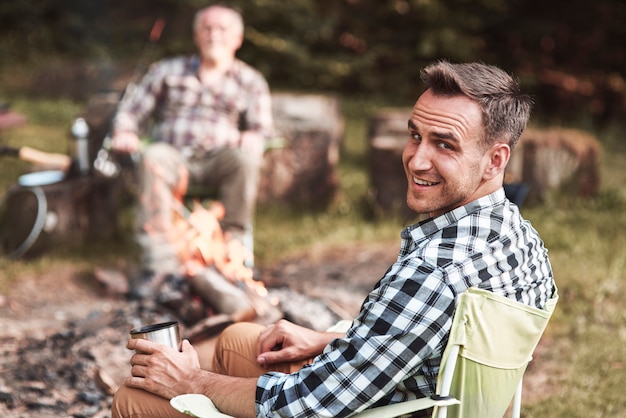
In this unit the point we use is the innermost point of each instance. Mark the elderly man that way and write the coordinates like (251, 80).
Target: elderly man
(209, 117)
(460, 135)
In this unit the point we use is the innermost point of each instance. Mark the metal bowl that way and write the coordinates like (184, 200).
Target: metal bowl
(41, 178)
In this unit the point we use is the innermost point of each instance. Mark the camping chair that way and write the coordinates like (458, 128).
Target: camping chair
(491, 343)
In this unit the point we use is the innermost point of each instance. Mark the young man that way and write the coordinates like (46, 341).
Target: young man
(460, 135)
(210, 115)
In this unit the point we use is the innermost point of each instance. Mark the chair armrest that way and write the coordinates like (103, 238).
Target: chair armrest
(402, 408)
(196, 405)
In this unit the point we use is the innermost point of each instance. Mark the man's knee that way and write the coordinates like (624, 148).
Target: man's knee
(137, 403)
(236, 350)
(239, 161)
(158, 150)
(119, 407)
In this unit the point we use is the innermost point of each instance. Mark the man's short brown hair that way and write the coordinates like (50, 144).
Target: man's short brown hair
(505, 109)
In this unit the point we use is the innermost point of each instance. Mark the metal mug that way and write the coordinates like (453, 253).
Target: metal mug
(167, 333)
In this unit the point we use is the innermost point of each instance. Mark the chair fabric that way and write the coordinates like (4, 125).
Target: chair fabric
(495, 338)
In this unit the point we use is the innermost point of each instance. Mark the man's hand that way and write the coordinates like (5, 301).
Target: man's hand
(126, 141)
(286, 341)
(162, 370)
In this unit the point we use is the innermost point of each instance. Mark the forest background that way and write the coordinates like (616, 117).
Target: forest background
(569, 54)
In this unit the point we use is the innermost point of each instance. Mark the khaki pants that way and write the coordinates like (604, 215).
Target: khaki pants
(235, 355)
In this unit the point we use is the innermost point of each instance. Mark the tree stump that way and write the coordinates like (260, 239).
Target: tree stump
(562, 160)
(387, 137)
(302, 170)
(66, 213)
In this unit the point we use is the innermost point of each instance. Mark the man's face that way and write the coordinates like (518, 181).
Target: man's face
(443, 160)
(217, 35)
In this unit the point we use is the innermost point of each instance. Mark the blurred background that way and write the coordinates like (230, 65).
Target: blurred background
(57, 55)
(568, 53)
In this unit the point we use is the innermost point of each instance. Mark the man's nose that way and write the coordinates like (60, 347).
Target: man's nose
(209, 33)
(420, 158)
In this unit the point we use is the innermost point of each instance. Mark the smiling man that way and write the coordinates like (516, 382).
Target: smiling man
(449, 160)
(460, 136)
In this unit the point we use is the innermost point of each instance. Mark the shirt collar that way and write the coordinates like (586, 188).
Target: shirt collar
(428, 227)
(194, 65)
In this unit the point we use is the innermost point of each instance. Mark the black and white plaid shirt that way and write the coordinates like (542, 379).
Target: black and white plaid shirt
(393, 350)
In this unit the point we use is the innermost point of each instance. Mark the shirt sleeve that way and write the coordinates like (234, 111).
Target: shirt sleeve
(140, 100)
(403, 323)
(258, 116)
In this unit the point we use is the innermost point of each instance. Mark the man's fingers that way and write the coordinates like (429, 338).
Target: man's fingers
(134, 344)
(269, 343)
(135, 382)
(277, 356)
(143, 346)
(186, 346)
(139, 359)
(138, 371)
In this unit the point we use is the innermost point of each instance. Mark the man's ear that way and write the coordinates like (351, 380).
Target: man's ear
(498, 155)
(238, 42)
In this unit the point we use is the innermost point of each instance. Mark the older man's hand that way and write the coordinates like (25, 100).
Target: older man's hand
(126, 141)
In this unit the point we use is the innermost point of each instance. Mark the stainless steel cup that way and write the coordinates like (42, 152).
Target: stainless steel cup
(167, 333)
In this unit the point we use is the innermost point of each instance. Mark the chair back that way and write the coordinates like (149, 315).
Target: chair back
(495, 337)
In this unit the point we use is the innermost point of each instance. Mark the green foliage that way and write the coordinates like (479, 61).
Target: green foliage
(572, 61)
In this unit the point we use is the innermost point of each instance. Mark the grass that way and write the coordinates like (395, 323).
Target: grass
(587, 247)
(588, 251)
(586, 240)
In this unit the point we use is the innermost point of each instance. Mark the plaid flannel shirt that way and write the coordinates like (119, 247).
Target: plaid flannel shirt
(393, 350)
(194, 117)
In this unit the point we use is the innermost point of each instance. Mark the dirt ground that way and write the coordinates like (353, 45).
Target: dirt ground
(62, 335)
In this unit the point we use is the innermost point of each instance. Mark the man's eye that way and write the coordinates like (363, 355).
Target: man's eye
(416, 137)
(445, 145)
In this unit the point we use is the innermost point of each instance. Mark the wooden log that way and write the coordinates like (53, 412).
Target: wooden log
(303, 170)
(560, 160)
(387, 137)
(66, 213)
(86, 209)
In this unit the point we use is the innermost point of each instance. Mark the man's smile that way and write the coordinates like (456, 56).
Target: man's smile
(421, 182)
